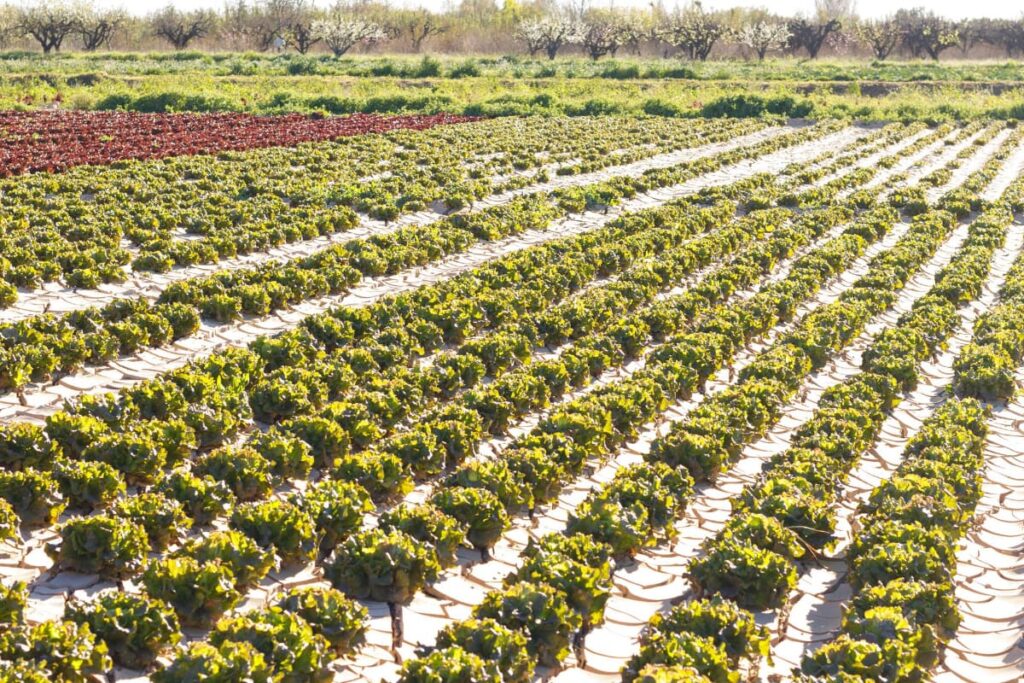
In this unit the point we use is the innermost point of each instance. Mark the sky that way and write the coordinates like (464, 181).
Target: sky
(953, 9)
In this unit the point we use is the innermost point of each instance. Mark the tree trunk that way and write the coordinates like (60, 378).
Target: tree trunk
(397, 630)
(579, 642)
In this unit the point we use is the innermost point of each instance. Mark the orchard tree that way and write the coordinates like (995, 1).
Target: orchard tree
(971, 33)
(234, 24)
(636, 28)
(295, 21)
(181, 28)
(694, 31)
(549, 34)
(49, 22)
(265, 24)
(1008, 34)
(881, 35)
(926, 33)
(810, 35)
(8, 23)
(341, 34)
(419, 25)
(532, 36)
(602, 34)
(763, 35)
(97, 27)
(270, 21)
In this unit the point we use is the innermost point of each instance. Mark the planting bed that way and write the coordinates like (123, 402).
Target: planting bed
(432, 399)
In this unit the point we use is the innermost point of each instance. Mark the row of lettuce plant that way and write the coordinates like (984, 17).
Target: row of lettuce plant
(58, 345)
(279, 541)
(103, 533)
(72, 226)
(986, 368)
(40, 348)
(424, 516)
(793, 513)
(645, 491)
(571, 575)
(788, 513)
(634, 510)
(902, 565)
(188, 578)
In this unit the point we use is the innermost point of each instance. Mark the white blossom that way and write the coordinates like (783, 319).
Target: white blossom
(342, 34)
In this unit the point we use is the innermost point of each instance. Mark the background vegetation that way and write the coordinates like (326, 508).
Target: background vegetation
(489, 86)
(536, 27)
(291, 55)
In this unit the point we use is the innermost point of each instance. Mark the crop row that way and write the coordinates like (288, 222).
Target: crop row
(842, 428)
(150, 284)
(987, 636)
(169, 524)
(902, 562)
(189, 210)
(641, 502)
(57, 140)
(609, 526)
(582, 420)
(901, 565)
(36, 349)
(787, 513)
(272, 518)
(986, 368)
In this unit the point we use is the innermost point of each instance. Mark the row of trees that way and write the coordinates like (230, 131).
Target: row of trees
(541, 28)
(261, 25)
(694, 33)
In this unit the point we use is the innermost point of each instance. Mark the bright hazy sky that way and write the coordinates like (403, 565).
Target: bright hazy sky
(953, 9)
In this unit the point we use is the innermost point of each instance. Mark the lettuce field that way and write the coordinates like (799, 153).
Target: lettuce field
(444, 399)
